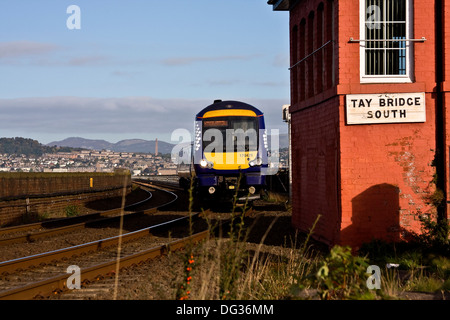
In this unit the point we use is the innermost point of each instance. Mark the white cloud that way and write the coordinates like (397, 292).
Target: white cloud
(281, 60)
(100, 115)
(224, 82)
(182, 61)
(138, 117)
(87, 60)
(48, 54)
(270, 83)
(19, 49)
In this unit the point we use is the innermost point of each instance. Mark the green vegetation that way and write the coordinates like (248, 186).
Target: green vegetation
(72, 210)
(342, 275)
(226, 267)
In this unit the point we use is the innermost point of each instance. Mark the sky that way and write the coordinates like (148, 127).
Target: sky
(136, 69)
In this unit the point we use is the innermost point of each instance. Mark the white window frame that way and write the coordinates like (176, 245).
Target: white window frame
(409, 76)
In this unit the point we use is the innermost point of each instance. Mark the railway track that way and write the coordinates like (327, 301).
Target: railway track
(46, 273)
(35, 231)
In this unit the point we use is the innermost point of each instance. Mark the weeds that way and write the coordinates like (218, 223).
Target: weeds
(184, 289)
(227, 267)
(435, 234)
(72, 210)
(233, 251)
(342, 275)
(423, 263)
(422, 282)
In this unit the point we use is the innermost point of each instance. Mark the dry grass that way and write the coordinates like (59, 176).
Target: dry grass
(229, 267)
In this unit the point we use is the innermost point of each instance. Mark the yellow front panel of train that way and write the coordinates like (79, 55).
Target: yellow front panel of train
(230, 160)
(228, 113)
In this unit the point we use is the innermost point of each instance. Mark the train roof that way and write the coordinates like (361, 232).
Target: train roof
(229, 104)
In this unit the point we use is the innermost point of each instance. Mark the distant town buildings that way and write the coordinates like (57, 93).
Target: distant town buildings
(89, 161)
(97, 161)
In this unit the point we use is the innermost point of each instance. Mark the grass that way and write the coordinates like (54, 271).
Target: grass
(227, 267)
(72, 210)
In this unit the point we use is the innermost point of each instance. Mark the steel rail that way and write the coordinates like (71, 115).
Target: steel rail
(59, 283)
(42, 258)
(29, 237)
(46, 224)
(158, 185)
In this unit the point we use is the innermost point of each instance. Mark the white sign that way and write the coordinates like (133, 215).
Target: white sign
(385, 108)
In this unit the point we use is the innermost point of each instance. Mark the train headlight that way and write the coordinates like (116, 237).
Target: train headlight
(203, 163)
(256, 162)
(252, 190)
(211, 190)
(206, 164)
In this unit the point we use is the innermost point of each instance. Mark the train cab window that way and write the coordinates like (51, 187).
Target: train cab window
(230, 134)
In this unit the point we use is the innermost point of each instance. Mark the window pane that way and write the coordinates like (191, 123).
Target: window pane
(395, 10)
(374, 11)
(396, 62)
(376, 33)
(385, 23)
(374, 62)
(231, 133)
(395, 31)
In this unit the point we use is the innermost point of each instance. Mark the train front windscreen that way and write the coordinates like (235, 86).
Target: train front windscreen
(230, 134)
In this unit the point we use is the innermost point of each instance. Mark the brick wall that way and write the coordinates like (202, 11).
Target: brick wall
(386, 178)
(19, 184)
(28, 196)
(446, 86)
(368, 181)
(386, 170)
(315, 159)
(313, 79)
(13, 212)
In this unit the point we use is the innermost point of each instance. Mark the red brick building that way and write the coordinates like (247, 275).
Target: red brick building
(369, 86)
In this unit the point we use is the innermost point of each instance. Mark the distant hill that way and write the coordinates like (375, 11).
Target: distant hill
(75, 142)
(129, 145)
(28, 147)
(132, 145)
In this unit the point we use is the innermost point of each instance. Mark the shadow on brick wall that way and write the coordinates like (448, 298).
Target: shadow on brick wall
(375, 215)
